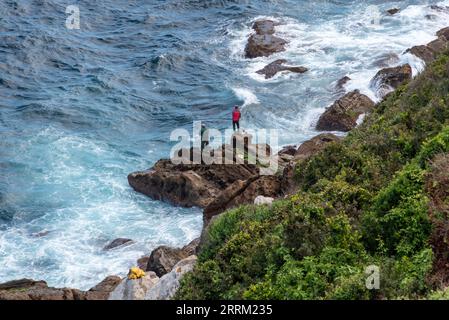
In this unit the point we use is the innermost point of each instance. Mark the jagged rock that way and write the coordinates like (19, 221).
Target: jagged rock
(388, 79)
(264, 26)
(163, 258)
(118, 243)
(261, 200)
(102, 290)
(393, 11)
(191, 248)
(444, 33)
(342, 82)
(263, 43)
(343, 114)
(423, 52)
(278, 66)
(188, 185)
(288, 150)
(168, 284)
(134, 289)
(242, 192)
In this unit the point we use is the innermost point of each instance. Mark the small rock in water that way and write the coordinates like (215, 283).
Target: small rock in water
(40, 234)
(118, 243)
(342, 82)
(393, 11)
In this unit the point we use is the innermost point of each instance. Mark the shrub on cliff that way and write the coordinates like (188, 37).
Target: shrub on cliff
(362, 201)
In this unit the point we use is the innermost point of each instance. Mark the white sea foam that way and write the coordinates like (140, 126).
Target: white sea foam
(246, 96)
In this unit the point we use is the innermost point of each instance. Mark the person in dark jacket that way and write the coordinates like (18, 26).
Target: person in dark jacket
(236, 115)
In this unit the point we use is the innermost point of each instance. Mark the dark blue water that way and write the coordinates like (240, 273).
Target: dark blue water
(80, 109)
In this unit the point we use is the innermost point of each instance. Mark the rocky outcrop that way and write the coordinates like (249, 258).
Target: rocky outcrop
(386, 60)
(168, 284)
(163, 258)
(118, 243)
(134, 289)
(429, 52)
(393, 11)
(343, 114)
(26, 289)
(277, 66)
(242, 192)
(263, 43)
(188, 185)
(388, 79)
(342, 82)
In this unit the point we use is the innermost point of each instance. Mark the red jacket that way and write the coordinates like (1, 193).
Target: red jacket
(236, 115)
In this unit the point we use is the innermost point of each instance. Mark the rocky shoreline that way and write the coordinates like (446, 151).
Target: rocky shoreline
(217, 188)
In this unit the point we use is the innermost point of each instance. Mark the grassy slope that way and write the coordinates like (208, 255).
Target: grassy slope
(363, 201)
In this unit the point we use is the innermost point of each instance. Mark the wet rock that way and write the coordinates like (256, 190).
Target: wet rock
(393, 11)
(118, 243)
(263, 43)
(342, 82)
(278, 66)
(386, 60)
(423, 52)
(343, 114)
(134, 289)
(168, 284)
(163, 258)
(388, 79)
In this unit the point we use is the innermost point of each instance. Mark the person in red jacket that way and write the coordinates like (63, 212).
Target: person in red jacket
(236, 118)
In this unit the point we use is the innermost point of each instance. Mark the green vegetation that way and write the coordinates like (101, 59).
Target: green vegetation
(370, 199)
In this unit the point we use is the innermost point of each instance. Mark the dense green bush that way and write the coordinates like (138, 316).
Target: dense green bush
(362, 201)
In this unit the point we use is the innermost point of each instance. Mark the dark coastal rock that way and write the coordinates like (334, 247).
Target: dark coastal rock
(264, 26)
(117, 243)
(388, 79)
(142, 262)
(278, 66)
(26, 289)
(163, 258)
(242, 192)
(342, 82)
(393, 11)
(343, 114)
(288, 150)
(439, 45)
(423, 52)
(263, 43)
(188, 185)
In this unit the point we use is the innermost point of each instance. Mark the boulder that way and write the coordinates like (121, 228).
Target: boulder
(263, 43)
(423, 52)
(444, 33)
(102, 290)
(343, 114)
(163, 258)
(278, 66)
(191, 248)
(386, 60)
(388, 79)
(264, 26)
(393, 11)
(142, 262)
(242, 192)
(342, 82)
(118, 243)
(188, 185)
(134, 289)
(168, 284)
(261, 200)
(288, 150)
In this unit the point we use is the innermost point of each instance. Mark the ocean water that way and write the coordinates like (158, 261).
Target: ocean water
(80, 109)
